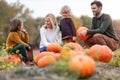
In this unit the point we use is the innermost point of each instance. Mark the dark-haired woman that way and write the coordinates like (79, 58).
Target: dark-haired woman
(17, 42)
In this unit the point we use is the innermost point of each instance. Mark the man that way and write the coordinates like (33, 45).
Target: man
(102, 31)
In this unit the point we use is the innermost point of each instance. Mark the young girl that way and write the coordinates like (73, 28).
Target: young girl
(17, 40)
(67, 26)
(49, 32)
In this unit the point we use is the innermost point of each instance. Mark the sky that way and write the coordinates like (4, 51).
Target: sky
(41, 8)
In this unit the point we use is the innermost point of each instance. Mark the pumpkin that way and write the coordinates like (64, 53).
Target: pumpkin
(71, 49)
(46, 61)
(42, 54)
(83, 65)
(14, 58)
(81, 37)
(57, 56)
(54, 48)
(74, 46)
(101, 53)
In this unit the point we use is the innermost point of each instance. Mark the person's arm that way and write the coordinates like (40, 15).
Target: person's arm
(43, 37)
(26, 37)
(104, 25)
(15, 37)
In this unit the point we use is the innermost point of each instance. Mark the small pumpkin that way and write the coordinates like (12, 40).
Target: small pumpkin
(14, 58)
(81, 37)
(74, 46)
(54, 48)
(42, 54)
(46, 61)
(83, 65)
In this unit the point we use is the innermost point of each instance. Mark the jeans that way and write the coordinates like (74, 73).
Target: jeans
(42, 49)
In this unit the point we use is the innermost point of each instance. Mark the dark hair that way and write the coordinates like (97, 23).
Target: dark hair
(98, 3)
(15, 24)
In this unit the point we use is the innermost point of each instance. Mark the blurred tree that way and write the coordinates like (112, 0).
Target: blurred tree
(17, 10)
(116, 24)
(77, 21)
(86, 20)
(58, 19)
(7, 12)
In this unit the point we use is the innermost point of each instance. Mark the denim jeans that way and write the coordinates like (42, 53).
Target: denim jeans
(42, 49)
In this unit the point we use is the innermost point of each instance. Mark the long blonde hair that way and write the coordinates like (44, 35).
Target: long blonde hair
(52, 20)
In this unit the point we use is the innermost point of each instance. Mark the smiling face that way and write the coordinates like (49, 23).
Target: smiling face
(48, 22)
(96, 10)
(65, 14)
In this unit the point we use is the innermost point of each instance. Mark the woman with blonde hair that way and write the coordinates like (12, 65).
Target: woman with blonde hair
(49, 32)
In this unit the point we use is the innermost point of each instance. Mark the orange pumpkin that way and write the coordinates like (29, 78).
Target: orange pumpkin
(46, 61)
(83, 65)
(54, 48)
(57, 56)
(71, 49)
(42, 54)
(101, 53)
(74, 46)
(14, 58)
(81, 37)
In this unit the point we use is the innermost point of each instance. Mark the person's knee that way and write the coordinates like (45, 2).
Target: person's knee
(22, 46)
(97, 36)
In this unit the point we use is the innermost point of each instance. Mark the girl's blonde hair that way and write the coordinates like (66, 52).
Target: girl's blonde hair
(53, 20)
(66, 9)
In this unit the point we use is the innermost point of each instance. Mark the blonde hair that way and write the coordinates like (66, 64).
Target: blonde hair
(66, 9)
(53, 20)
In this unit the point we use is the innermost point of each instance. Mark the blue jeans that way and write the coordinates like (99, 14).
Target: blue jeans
(42, 49)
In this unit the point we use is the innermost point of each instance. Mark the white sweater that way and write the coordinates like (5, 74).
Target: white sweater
(49, 36)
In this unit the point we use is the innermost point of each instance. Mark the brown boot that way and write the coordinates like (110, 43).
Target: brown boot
(30, 55)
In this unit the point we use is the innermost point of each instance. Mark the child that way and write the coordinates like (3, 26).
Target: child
(67, 26)
(17, 40)
(49, 32)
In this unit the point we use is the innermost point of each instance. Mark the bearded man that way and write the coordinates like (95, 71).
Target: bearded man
(102, 30)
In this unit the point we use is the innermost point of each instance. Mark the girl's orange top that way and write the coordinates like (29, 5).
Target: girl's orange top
(15, 38)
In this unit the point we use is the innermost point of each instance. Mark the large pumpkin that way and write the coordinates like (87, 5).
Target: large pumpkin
(83, 65)
(81, 37)
(101, 53)
(54, 48)
(46, 61)
(14, 58)
(71, 49)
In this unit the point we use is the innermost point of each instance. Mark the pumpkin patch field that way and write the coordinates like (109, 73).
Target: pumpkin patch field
(68, 62)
